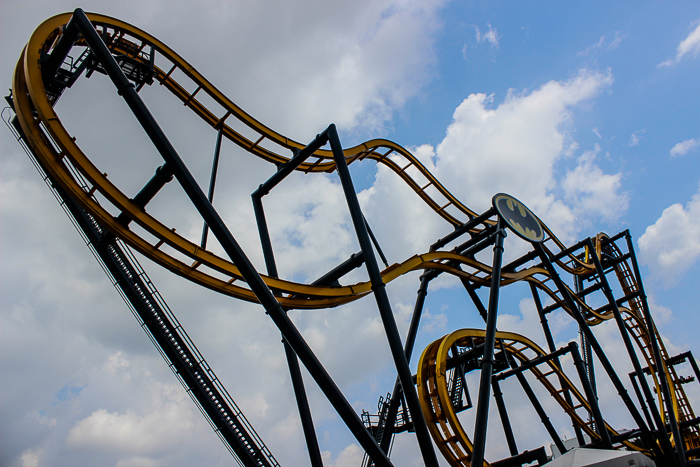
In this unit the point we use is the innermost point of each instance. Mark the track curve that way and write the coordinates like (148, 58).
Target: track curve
(74, 170)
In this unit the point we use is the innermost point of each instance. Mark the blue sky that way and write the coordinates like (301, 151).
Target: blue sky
(587, 112)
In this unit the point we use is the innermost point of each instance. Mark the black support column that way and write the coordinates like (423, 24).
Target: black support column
(482, 406)
(383, 304)
(272, 307)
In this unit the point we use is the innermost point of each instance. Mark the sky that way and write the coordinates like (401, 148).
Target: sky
(588, 113)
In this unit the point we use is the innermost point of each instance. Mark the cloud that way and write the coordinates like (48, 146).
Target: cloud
(591, 192)
(356, 72)
(684, 147)
(671, 245)
(601, 45)
(635, 138)
(491, 36)
(351, 456)
(689, 45)
(515, 146)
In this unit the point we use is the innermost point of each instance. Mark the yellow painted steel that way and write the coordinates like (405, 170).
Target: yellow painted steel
(60, 154)
(433, 390)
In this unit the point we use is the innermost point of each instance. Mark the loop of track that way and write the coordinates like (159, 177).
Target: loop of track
(436, 402)
(74, 170)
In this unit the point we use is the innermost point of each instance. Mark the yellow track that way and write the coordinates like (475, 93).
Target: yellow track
(59, 153)
(436, 403)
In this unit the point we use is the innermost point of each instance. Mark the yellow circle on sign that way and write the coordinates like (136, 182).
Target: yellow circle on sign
(518, 217)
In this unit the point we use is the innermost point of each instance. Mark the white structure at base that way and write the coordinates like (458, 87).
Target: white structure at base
(582, 457)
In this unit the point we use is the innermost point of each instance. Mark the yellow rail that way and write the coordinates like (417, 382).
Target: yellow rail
(65, 161)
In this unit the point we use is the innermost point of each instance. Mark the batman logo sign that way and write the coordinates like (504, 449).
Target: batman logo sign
(518, 217)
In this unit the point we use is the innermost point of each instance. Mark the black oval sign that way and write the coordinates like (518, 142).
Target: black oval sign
(518, 217)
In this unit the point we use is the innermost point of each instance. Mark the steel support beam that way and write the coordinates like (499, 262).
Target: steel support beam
(482, 406)
(272, 307)
(212, 181)
(602, 357)
(635, 361)
(591, 396)
(382, 299)
(651, 330)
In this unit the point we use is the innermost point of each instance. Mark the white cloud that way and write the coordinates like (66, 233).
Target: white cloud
(689, 45)
(591, 192)
(601, 45)
(351, 456)
(515, 146)
(30, 458)
(356, 72)
(635, 138)
(491, 36)
(672, 244)
(684, 147)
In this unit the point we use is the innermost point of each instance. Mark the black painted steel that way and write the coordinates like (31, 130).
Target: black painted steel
(482, 406)
(51, 63)
(505, 421)
(307, 423)
(591, 396)
(540, 411)
(396, 395)
(633, 378)
(375, 243)
(228, 242)
(300, 395)
(170, 340)
(264, 233)
(525, 457)
(600, 353)
(332, 276)
(382, 299)
(587, 357)
(651, 330)
(543, 318)
(212, 181)
(462, 229)
(162, 176)
(633, 355)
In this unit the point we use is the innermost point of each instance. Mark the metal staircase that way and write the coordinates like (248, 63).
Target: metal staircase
(164, 330)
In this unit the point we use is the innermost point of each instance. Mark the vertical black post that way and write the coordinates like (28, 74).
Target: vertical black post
(212, 181)
(640, 398)
(633, 356)
(265, 240)
(585, 345)
(507, 429)
(380, 295)
(660, 365)
(396, 395)
(590, 395)
(600, 353)
(307, 423)
(552, 348)
(543, 318)
(482, 407)
(587, 360)
(272, 307)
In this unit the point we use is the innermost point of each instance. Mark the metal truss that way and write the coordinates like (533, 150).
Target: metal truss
(68, 46)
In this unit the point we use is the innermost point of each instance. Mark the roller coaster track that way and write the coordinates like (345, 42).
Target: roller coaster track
(145, 60)
(435, 394)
